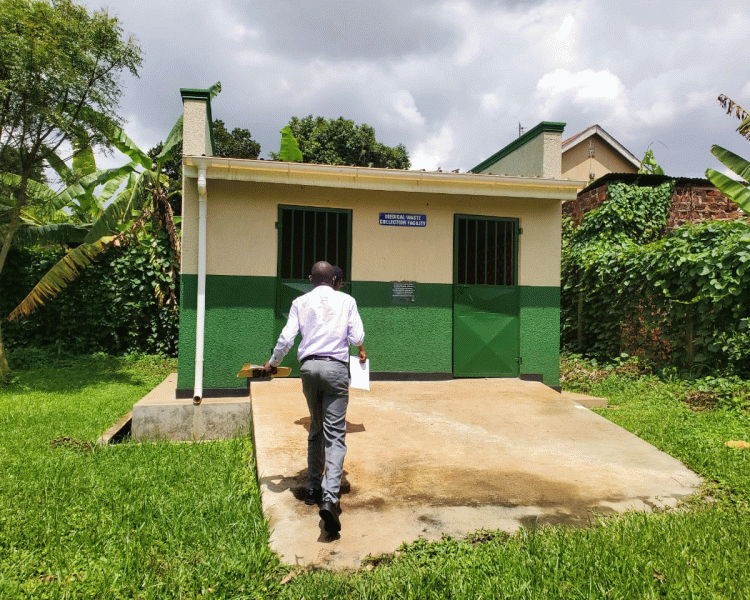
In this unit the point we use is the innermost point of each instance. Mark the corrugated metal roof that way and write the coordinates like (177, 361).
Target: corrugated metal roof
(646, 179)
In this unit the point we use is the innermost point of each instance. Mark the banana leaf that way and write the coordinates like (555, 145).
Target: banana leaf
(289, 151)
(58, 165)
(84, 162)
(53, 233)
(59, 277)
(736, 163)
(731, 188)
(735, 190)
(120, 208)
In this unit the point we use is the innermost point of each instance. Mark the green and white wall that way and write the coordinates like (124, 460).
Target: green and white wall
(242, 264)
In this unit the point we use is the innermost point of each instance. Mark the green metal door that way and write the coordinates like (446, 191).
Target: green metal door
(305, 236)
(485, 297)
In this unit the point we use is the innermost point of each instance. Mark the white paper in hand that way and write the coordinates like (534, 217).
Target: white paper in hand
(360, 373)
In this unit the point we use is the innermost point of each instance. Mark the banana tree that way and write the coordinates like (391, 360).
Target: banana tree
(122, 214)
(737, 191)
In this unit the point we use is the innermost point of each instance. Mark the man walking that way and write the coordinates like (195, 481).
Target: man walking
(329, 322)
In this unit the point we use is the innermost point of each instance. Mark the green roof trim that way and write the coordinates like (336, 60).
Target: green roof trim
(200, 94)
(518, 142)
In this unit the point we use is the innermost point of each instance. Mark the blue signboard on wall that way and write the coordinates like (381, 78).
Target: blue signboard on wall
(403, 220)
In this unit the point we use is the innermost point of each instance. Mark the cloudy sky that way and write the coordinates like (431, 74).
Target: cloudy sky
(450, 80)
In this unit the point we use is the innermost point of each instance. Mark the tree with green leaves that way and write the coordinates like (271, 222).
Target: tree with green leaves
(59, 82)
(737, 191)
(341, 142)
(137, 200)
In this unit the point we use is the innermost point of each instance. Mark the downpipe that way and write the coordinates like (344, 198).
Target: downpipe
(201, 299)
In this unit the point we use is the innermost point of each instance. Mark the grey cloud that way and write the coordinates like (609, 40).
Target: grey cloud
(345, 30)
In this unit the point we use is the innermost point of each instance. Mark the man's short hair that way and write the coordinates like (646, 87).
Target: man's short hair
(338, 274)
(321, 273)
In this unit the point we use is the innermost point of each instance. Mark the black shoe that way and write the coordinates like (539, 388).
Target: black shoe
(329, 512)
(313, 496)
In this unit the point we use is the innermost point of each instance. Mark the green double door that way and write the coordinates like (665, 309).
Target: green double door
(307, 235)
(486, 299)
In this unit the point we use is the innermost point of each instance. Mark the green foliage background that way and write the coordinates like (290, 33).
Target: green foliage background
(111, 307)
(342, 142)
(682, 299)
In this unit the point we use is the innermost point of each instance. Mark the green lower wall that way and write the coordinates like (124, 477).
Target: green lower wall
(540, 332)
(238, 329)
(413, 338)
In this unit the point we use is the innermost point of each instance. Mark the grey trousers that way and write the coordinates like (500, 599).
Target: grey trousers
(326, 388)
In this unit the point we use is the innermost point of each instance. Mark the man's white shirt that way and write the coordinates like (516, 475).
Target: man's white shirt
(328, 321)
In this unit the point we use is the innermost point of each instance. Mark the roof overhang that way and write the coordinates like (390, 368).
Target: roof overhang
(391, 180)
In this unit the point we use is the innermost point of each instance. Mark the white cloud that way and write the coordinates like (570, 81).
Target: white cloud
(660, 112)
(586, 84)
(406, 108)
(435, 151)
(563, 34)
(489, 104)
(599, 93)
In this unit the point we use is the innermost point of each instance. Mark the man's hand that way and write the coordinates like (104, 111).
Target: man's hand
(362, 354)
(268, 369)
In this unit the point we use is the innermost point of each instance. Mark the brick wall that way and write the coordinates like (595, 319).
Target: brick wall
(691, 203)
(696, 203)
(584, 202)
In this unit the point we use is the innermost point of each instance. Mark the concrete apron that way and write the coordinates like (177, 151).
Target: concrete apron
(432, 458)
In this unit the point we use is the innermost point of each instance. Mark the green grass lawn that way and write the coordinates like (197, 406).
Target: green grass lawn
(184, 520)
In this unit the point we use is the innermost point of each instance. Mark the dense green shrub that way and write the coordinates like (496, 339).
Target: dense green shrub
(111, 307)
(683, 299)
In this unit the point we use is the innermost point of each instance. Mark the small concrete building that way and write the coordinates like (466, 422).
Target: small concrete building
(541, 152)
(455, 275)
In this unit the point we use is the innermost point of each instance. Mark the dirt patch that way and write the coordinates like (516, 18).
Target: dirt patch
(700, 401)
(421, 485)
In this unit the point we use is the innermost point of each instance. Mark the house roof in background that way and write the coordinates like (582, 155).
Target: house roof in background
(594, 130)
(518, 142)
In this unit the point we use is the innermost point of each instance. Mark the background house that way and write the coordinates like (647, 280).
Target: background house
(541, 152)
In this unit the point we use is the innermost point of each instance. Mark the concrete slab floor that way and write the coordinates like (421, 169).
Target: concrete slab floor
(450, 457)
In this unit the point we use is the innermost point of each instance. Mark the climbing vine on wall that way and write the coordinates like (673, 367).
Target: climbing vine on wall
(112, 307)
(682, 299)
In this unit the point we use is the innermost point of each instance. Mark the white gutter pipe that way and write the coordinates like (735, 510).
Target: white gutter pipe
(201, 300)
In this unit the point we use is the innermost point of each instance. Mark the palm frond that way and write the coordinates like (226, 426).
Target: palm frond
(174, 138)
(111, 187)
(65, 271)
(744, 128)
(36, 192)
